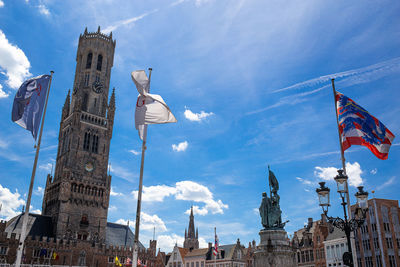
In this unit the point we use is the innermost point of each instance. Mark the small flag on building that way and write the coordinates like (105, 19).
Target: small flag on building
(216, 245)
(358, 127)
(117, 263)
(29, 102)
(150, 108)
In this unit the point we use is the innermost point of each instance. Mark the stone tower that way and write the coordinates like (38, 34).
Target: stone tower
(77, 197)
(191, 238)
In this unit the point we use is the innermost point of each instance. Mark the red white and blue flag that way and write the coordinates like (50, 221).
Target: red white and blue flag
(216, 245)
(358, 127)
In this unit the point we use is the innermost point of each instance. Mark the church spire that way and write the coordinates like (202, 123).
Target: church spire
(191, 236)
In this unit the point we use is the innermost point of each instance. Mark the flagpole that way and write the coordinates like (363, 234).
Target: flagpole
(215, 241)
(139, 202)
(352, 241)
(28, 201)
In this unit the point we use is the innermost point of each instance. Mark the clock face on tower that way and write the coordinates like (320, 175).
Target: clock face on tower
(97, 87)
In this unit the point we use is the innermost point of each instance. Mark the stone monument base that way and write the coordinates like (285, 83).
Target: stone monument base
(274, 250)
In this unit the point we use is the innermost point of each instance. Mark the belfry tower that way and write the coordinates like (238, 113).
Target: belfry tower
(191, 238)
(77, 197)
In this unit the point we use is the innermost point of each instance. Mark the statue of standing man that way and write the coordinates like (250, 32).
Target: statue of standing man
(270, 210)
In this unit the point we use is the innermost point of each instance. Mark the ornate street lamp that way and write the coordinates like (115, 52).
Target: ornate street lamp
(345, 225)
(341, 181)
(323, 196)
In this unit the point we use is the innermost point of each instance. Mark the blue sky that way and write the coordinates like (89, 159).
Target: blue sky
(249, 84)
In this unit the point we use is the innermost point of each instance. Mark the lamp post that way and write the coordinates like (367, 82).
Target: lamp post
(345, 224)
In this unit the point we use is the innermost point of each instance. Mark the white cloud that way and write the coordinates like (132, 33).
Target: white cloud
(112, 208)
(2, 93)
(127, 21)
(180, 147)
(43, 10)
(37, 211)
(147, 222)
(196, 116)
(167, 242)
(13, 62)
(155, 193)
(1, 5)
(177, 2)
(374, 171)
(122, 172)
(39, 191)
(134, 152)
(387, 183)
(353, 172)
(198, 211)
(305, 181)
(47, 167)
(114, 193)
(192, 191)
(3, 144)
(10, 203)
(201, 2)
(185, 190)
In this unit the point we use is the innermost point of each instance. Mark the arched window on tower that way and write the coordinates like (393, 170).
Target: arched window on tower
(99, 62)
(95, 143)
(89, 60)
(86, 141)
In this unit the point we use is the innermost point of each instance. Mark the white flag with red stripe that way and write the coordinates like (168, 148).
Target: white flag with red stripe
(150, 108)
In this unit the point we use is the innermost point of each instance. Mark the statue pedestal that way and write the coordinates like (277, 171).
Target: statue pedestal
(274, 250)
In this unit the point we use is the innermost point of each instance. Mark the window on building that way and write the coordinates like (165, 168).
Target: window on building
(89, 60)
(86, 141)
(110, 259)
(389, 242)
(99, 62)
(95, 143)
(3, 250)
(86, 79)
(376, 243)
(378, 260)
(392, 261)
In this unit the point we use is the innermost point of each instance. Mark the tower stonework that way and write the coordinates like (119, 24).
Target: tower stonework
(191, 237)
(77, 197)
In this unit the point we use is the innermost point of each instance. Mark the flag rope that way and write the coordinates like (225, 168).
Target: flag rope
(28, 201)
